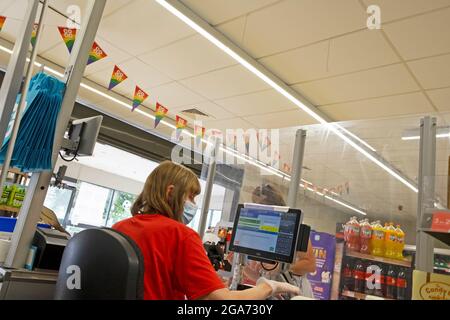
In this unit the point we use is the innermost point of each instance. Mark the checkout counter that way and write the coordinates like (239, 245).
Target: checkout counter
(38, 280)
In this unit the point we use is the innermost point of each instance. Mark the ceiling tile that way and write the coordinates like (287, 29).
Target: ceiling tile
(397, 9)
(376, 108)
(353, 52)
(440, 98)
(256, 103)
(360, 50)
(58, 55)
(188, 57)
(421, 36)
(372, 83)
(233, 30)
(293, 23)
(142, 74)
(432, 72)
(5, 4)
(143, 26)
(233, 123)
(173, 95)
(306, 63)
(214, 111)
(224, 83)
(217, 11)
(292, 118)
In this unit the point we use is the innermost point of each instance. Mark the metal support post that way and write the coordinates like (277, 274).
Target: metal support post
(208, 188)
(426, 196)
(23, 98)
(14, 74)
(297, 165)
(32, 205)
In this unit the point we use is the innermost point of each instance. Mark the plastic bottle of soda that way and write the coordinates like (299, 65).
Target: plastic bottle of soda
(380, 283)
(353, 229)
(391, 283)
(359, 277)
(370, 281)
(377, 241)
(390, 241)
(401, 285)
(348, 276)
(365, 236)
(400, 235)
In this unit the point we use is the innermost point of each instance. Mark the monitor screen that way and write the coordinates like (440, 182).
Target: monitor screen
(266, 233)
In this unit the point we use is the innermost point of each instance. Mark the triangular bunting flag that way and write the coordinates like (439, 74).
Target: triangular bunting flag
(199, 133)
(181, 124)
(160, 113)
(96, 53)
(34, 34)
(117, 77)
(2, 22)
(68, 36)
(139, 97)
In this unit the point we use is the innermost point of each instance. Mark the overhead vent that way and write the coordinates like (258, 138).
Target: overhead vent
(195, 113)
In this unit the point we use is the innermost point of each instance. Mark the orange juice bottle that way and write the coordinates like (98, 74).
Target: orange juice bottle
(400, 243)
(377, 241)
(390, 241)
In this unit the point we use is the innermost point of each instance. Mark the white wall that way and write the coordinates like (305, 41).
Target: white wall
(102, 178)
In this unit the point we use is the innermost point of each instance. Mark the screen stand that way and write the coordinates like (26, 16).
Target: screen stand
(238, 267)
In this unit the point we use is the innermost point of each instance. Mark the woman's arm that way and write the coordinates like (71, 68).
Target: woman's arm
(305, 263)
(260, 292)
(264, 289)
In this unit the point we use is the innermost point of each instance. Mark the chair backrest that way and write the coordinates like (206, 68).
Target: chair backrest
(101, 264)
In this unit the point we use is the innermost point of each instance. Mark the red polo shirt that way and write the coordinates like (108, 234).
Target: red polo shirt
(175, 262)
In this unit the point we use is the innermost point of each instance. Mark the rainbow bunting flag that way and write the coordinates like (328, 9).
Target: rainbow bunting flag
(117, 77)
(139, 97)
(181, 124)
(34, 34)
(199, 133)
(160, 113)
(96, 54)
(286, 168)
(68, 36)
(2, 22)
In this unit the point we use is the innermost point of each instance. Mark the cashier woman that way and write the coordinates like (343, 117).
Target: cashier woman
(175, 262)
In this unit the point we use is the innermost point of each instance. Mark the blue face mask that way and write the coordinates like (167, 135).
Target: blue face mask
(190, 210)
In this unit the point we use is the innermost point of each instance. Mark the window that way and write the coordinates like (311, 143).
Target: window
(91, 206)
(60, 200)
(120, 208)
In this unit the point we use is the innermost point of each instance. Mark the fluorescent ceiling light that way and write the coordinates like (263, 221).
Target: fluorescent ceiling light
(337, 130)
(346, 205)
(414, 134)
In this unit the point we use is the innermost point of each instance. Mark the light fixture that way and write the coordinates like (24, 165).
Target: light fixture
(241, 60)
(346, 205)
(414, 134)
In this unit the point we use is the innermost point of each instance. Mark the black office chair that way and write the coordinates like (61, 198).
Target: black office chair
(111, 267)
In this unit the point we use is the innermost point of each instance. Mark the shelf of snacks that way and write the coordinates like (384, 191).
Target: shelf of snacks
(9, 208)
(362, 296)
(403, 263)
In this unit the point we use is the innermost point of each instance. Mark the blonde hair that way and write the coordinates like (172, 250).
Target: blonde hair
(154, 199)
